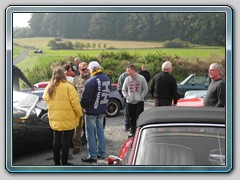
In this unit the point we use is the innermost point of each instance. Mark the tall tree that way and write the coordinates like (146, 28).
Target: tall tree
(35, 24)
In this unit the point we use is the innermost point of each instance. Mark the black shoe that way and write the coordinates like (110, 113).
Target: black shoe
(76, 150)
(101, 157)
(89, 160)
(68, 164)
(57, 164)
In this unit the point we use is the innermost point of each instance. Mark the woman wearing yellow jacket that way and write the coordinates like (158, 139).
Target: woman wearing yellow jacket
(64, 111)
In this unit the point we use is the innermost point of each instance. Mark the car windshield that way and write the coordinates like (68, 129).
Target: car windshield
(24, 101)
(181, 145)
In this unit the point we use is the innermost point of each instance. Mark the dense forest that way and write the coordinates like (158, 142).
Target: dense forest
(197, 28)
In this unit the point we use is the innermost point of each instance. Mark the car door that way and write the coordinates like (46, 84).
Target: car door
(39, 133)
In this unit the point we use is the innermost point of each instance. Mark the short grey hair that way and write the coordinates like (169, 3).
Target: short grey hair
(166, 65)
(218, 67)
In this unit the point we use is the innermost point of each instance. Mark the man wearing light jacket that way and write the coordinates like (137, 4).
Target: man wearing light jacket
(134, 90)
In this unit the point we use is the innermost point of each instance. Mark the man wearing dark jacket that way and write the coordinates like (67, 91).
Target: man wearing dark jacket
(144, 72)
(164, 86)
(94, 100)
(16, 74)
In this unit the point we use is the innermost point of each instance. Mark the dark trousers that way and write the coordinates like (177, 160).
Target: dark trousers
(126, 116)
(162, 102)
(62, 139)
(134, 111)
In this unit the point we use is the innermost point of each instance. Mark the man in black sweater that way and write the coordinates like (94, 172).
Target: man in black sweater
(216, 94)
(164, 86)
(144, 72)
(16, 74)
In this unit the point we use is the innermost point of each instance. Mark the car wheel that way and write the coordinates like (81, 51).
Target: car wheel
(113, 108)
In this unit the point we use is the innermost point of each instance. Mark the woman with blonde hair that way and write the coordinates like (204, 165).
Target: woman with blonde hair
(64, 111)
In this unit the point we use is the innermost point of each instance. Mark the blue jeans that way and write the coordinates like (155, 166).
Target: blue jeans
(95, 123)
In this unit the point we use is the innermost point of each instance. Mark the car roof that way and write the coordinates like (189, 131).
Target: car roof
(178, 114)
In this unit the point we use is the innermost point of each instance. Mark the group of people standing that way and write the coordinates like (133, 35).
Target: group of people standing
(163, 89)
(78, 106)
(72, 104)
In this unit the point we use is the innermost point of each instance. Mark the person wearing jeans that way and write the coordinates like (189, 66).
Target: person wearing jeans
(121, 80)
(95, 123)
(94, 100)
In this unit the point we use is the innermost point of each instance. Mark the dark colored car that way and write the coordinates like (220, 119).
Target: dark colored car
(114, 106)
(176, 136)
(115, 103)
(193, 82)
(30, 129)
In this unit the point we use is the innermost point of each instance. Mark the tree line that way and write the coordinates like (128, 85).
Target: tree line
(198, 28)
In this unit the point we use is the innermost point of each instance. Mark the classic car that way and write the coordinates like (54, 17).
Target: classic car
(193, 82)
(30, 127)
(193, 98)
(191, 102)
(114, 106)
(176, 136)
(195, 94)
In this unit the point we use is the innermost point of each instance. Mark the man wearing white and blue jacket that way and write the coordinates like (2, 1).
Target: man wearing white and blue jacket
(94, 101)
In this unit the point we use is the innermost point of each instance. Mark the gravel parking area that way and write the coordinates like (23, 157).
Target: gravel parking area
(115, 137)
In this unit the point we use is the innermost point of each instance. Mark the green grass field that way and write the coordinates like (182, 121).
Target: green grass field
(132, 47)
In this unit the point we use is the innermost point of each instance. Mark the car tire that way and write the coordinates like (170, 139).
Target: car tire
(113, 108)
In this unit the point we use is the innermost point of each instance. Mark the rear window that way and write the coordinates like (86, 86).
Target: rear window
(190, 145)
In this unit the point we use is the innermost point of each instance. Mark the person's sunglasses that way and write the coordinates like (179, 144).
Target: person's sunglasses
(84, 69)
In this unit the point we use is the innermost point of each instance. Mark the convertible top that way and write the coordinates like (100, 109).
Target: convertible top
(177, 114)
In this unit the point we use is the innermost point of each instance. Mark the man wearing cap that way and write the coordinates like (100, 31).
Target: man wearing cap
(94, 101)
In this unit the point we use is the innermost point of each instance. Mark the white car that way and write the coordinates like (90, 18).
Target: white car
(195, 94)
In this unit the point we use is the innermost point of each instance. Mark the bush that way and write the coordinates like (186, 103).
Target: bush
(114, 64)
(176, 43)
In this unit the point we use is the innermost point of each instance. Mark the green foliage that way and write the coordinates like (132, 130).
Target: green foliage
(86, 58)
(122, 54)
(52, 43)
(207, 28)
(182, 67)
(185, 61)
(68, 45)
(176, 43)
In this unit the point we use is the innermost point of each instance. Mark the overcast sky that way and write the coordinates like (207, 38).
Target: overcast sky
(21, 19)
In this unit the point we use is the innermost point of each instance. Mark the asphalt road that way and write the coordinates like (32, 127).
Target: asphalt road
(21, 57)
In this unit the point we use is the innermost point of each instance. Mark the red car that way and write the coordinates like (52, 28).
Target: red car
(176, 136)
(194, 102)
